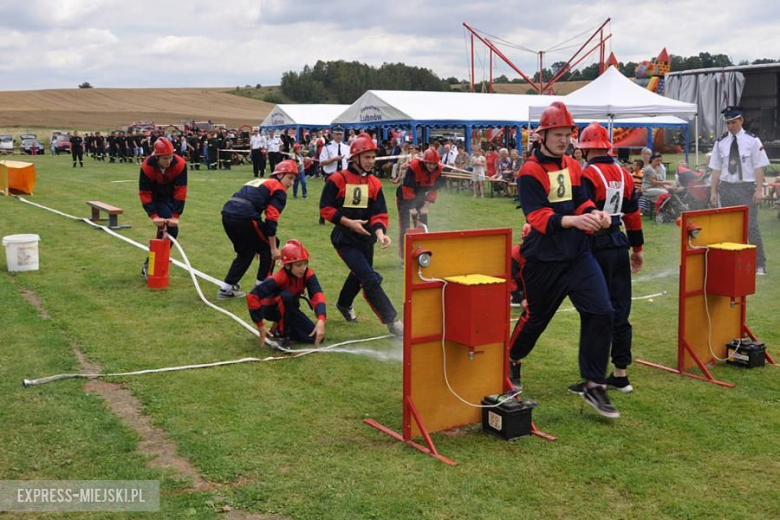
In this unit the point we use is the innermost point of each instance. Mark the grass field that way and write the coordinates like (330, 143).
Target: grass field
(288, 437)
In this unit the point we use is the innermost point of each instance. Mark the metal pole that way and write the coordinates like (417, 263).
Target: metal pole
(472, 63)
(491, 71)
(696, 137)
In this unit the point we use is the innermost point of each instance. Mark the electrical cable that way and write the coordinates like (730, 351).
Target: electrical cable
(707, 306)
(505, 397)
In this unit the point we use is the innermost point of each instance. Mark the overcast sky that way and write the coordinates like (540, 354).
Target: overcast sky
(199, 43)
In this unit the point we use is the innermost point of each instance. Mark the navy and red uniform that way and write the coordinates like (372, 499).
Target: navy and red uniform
(249, 233)
(163, 192)
(359, 197)
(419, 186)
(558, 263)
(516, 285)
(278, 298)
(610, 246)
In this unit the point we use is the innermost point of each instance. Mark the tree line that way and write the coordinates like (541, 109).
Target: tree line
(344, 82)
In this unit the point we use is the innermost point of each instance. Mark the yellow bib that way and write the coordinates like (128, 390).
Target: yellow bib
(356, 196)
(255, 183)
(560, 186)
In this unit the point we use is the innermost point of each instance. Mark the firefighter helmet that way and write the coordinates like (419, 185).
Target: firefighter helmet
(555, 116)
(431, 156)
(285, 167)
(293, 251)
(362, 143)
(595, 137)
(162, 146)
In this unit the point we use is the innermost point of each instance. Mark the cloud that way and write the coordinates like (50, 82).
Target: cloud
(61, 43)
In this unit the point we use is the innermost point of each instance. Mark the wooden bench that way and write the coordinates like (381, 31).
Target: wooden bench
(113, 213)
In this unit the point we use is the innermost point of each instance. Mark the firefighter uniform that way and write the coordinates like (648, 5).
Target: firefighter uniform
(249, 233)
(163, 192)
(348, 193)
(77, 149)
(612, 189)
(278, 298)
(558, 263)
(420, 185)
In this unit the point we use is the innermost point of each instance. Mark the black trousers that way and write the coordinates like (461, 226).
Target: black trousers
(274, 158)
(616, 266)
(360, 260)
(77, 153)
(248, 238)
(292, 322)
(258, 162)
(546, 285)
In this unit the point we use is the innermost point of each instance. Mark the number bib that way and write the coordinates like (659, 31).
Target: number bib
(356, 196)
(255, 183)
(560, 186)
(613, 203)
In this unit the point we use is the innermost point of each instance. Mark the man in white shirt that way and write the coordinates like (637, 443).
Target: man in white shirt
(334, 155)
(737, 163)
(274, 148)
(448, 155)
(258, 147)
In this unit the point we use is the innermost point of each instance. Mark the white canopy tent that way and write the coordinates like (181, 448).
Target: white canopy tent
(283, 117)
(613, 96)
(413, 109)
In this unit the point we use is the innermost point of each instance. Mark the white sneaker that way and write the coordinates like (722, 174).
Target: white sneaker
(396, 328)
(761, 271)
(234, 292)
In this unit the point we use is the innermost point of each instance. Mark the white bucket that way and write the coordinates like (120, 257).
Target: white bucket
(21, 251)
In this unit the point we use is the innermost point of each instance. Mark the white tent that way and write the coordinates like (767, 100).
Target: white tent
(301, 116)
(614, 96)
(438, 109)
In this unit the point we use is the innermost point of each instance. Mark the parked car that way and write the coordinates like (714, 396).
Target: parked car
(30, 142)
(63, 142)
(6, 144)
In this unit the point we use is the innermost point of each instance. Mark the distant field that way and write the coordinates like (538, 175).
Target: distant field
(104, 108)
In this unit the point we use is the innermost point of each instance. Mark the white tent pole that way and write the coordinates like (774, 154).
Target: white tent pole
(696, 137)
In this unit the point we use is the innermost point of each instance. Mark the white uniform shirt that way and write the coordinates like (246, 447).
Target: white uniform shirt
(332, 150)
(257, 142)
(449, 157)
(274, 143)
(751, 152)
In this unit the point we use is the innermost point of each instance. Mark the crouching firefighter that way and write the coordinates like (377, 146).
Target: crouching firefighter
(419, 190)
(162, 187)
(353, 201)
(611, 188)
(277, 299)
(249, 233)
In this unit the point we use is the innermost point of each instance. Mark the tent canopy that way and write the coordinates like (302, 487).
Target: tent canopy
(438, 109)
(301, 116)
(612, 95)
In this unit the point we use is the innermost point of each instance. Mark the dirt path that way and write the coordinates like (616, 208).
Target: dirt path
(154, 442)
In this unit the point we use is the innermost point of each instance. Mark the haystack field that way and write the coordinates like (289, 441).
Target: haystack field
(105, 108)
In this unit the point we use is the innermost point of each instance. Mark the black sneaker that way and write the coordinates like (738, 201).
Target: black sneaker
(577, 388)
(348, 313)
(621, 384)
(597, 398)
(145, 269)
(514, 374)
(283, 344)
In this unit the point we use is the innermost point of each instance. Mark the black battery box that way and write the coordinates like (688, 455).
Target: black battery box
(745, 353)
(509, 420)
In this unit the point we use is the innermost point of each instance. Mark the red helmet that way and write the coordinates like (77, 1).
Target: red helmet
(162, 146)
(596, 137)
(293, 251)
(284, 167)
(555, 116)
(431, 156)
(362, 143)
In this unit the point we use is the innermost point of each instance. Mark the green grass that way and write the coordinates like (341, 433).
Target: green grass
(287, 437)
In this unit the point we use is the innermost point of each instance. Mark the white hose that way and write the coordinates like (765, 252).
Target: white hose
(193, 273)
